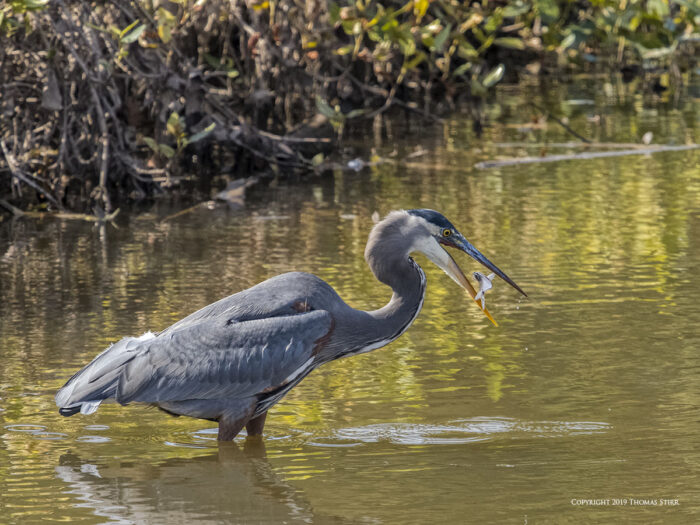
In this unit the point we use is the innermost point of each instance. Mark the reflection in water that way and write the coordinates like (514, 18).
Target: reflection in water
(228, 485)
(235, 481)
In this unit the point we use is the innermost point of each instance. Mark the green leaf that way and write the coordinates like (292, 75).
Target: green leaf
(34, 5)
(509, 42)
(467, 51)
(128, 28)
(658, 8)
(548, 10)
(515, 9)
(151, 144)
(317, 160)
(334, 12)
(134, 35)
(356, 113)
(461, 70)
(487, 43)
(212, 61)
(494, 76)
(652, 54)
(98, 28)
(568, 42)
(175, 125)
(440, 40)
(166, 150)
(414, 62)
(494, 21)
(166, 24)
(407, 46)
(199, 136)
(325, 109)
(420, 7)
(348, 25)
(345, 50)
(477, 87)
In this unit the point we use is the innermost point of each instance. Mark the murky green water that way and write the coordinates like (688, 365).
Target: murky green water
(588, 390)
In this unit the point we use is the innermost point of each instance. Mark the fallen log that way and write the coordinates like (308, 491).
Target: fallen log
(582, 156)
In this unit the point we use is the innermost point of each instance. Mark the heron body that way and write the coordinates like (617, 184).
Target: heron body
(234, 359)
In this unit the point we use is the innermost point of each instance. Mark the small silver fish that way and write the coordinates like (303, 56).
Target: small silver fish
(484, 286)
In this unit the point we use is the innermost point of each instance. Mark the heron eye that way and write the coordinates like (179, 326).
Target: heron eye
(446, 233)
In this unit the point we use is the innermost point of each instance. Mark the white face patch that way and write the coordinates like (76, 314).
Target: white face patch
(428, 245)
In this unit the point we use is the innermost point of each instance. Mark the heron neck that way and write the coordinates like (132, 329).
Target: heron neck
(407, 281)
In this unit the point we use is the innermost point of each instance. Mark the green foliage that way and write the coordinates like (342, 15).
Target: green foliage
(175, 127)
(124, 37)
(224, 64)
(166, 24)
(15, 14)
(335, 116)
(457, 40)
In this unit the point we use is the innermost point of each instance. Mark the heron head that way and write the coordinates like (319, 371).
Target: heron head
(441, 232)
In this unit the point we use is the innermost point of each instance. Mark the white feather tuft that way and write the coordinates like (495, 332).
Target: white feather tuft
(89, 407)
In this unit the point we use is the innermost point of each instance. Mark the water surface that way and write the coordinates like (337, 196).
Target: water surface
(589, 389)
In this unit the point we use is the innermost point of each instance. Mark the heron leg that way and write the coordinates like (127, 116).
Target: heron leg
(254, 427)
(229, 429)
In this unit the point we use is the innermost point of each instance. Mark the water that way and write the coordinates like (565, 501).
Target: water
(589, 389)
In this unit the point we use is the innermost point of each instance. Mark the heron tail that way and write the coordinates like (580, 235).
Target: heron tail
(98, 380)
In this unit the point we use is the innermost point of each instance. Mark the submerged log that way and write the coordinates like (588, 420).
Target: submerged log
(647, 150)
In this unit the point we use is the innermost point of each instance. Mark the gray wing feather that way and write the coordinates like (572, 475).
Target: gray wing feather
(272, 298)
(98, 379)
(238, 346)
(215, 358)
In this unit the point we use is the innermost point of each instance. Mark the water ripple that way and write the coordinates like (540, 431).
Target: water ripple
(93, 439)
(96, 427)
(53, 436)
(460, 432)
(21, 427)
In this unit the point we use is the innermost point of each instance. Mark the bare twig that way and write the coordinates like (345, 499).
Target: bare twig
(561, 123)
(185, 211)
(286, 138)
(15, 211)
(104, 161)
(16, 172)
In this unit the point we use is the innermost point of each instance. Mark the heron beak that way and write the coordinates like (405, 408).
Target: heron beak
(454, 271)
(475, 254)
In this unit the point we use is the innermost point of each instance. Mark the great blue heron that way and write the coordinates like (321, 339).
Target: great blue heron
(234, 359)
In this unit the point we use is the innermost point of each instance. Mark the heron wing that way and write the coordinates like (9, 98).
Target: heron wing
(281, 295)
(218, 357)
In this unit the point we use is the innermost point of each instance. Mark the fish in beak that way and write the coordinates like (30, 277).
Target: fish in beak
(484, 286)
(450, 267)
